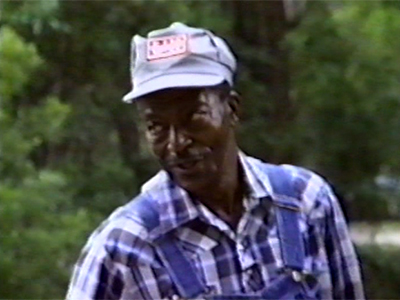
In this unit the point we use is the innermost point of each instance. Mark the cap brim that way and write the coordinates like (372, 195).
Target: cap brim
(173, 81)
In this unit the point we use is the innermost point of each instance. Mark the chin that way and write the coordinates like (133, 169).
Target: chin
(199, 181)
(196, 187)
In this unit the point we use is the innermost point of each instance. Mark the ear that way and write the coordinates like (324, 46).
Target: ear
(234, 102)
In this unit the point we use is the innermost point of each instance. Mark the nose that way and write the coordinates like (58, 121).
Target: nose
(177, 141)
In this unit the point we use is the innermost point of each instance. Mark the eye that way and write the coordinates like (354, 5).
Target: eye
(200, 113)
(154, 127)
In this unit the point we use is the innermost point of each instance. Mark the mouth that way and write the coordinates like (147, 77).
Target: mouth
(185, 164)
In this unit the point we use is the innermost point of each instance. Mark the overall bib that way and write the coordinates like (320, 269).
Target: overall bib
(292, 283)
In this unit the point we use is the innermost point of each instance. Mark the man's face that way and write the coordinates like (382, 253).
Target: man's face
(190, 131)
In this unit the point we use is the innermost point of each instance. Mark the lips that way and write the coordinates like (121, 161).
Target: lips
(186, 164)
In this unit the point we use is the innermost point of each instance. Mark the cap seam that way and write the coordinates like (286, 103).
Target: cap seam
(179, 73)
(197, 55)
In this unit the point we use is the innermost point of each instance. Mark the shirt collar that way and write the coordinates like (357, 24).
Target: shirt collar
(177, 208)
(255, 177)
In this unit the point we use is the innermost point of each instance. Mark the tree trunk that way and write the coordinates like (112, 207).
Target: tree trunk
(263, 25)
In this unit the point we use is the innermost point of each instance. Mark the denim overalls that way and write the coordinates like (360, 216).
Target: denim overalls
(292, 283)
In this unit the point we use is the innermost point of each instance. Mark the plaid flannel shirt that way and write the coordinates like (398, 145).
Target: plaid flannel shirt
(227, 261)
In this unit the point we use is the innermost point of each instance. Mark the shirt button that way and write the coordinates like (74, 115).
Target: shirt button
(297, 276)
(240, 247)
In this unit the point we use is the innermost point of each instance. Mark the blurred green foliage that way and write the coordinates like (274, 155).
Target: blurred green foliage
(321, 91)
(40, 228)
(381, 273)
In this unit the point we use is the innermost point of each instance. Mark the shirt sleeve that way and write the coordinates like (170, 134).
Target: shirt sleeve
(109, 269)
(96, 276)
(343, 261)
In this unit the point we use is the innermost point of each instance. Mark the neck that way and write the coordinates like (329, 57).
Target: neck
(226, 199)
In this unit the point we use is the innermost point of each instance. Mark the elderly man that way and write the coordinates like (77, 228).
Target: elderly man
(214, 223)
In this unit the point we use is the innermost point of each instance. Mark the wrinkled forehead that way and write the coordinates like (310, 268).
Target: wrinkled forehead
(177, 99)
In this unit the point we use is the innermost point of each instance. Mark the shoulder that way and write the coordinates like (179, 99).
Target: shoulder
(123, 237)
(309, 189)
(128, 234)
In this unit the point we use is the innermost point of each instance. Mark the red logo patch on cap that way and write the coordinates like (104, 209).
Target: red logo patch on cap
(165, 47)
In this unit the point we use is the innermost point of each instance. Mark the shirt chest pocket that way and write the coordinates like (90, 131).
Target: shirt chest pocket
(199, 249)
(222, 265)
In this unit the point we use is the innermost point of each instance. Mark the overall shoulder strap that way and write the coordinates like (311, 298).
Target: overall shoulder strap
(287, 215)
(179, 267)
(142, 209)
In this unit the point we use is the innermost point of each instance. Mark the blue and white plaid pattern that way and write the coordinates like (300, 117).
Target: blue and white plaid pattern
(229, 262)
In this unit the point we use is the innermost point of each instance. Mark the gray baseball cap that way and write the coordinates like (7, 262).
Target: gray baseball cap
(178, 56)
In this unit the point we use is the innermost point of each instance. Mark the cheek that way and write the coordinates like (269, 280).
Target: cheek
(217, 134)
(211, 130)
(156, 146)
(216, 118)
